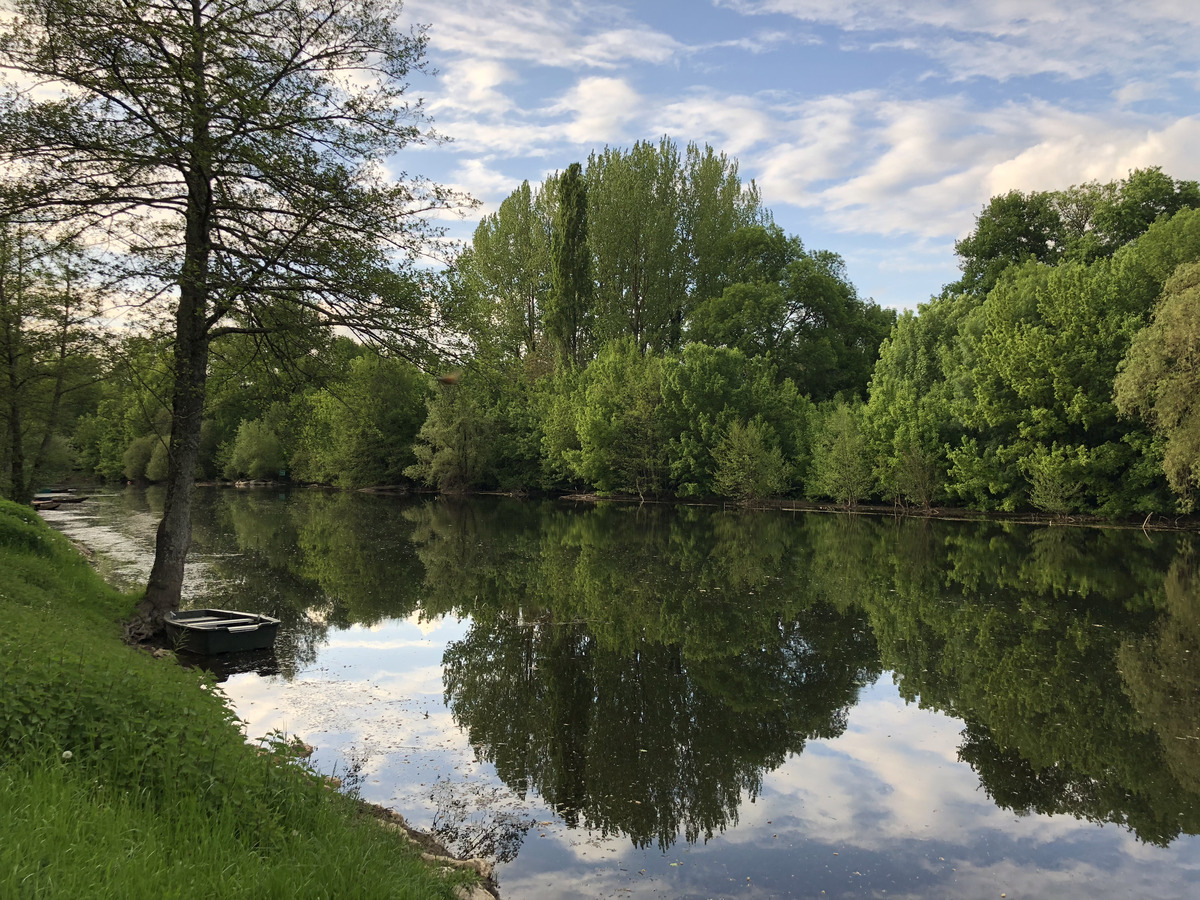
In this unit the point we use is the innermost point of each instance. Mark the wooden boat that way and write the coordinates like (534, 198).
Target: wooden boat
(211, 631)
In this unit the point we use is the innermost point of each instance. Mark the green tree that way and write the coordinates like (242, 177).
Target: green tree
(1038, 359)
(134, 403)
(1033, 381)
(637, 254)
(256, 453)
(622, 442)
(232, 150)
(801, 309)
(362, 428)
(1136, 202)
(49, 366)
(908, 416)
(506, 271)
(453, 447)
(569, 312)
(1082, 223)
(841, 465)
(749, 464)
(1011, 229)
(715, 208)
(1159, 378)
(706, 390)
(749, 312)
(137, 455)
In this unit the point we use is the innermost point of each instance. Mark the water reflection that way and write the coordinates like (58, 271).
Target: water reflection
(637, 669)
(643, 669)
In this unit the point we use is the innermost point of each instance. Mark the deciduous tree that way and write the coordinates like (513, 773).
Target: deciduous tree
(1160, 376)
(569, 312)
(231, 151)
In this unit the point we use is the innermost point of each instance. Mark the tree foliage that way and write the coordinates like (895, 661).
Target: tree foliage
(1082, 223)
(230, 151)
(506, 267)
(569, 316)
(1160, 375)
(49, 357)
(841, 465)
(706, 390)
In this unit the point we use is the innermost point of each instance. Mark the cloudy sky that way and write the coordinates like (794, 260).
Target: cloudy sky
(875, 128)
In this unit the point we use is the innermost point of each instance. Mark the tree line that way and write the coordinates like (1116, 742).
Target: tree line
(639, 324)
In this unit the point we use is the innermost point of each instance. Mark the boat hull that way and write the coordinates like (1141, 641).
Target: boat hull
(209, 632)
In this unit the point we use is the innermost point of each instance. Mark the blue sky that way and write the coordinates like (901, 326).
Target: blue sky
(874, 128)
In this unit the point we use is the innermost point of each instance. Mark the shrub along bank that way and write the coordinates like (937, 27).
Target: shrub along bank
(126, 776)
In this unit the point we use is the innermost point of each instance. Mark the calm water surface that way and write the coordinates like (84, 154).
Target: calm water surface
(615, 701)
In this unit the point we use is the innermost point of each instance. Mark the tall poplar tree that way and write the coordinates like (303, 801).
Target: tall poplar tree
(569, 310)
(231, 152)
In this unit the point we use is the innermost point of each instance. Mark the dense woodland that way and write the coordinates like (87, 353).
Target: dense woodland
(638, 324)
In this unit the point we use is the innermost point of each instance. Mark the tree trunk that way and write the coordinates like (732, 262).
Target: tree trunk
(174, 535)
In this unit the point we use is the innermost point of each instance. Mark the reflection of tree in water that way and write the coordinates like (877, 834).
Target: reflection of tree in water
(471, 822)
(1018, 632)
(359, 549)
(642, 668)
(253, 539)
(315, 560)
(639, 670)
(1162, 671)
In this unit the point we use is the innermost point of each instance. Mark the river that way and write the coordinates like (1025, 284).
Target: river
(669, 701)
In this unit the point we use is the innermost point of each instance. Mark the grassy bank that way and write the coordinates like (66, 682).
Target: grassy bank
(126, 776)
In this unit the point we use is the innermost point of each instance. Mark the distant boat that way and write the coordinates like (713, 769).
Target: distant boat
(211, 631)
(45, 504)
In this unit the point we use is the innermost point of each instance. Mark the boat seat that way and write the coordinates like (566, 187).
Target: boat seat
(219, 622)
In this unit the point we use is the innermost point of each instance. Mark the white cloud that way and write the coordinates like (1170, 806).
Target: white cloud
(636, 44)
(732, 123)
(1136, 92)
(759, 42)
(600, 109)
(559, 33)
(1010, 38)
(873, 164)
(470, 85)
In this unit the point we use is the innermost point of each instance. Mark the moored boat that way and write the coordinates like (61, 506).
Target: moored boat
(211, 631)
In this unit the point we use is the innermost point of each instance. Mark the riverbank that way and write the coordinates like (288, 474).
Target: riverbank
(125, 775)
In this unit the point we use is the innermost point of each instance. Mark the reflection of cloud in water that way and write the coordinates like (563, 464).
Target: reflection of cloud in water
(376, 695)
(889, 796)
(886, 804)
(431, 626)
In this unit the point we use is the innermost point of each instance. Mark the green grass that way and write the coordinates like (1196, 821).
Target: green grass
(125, 776)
